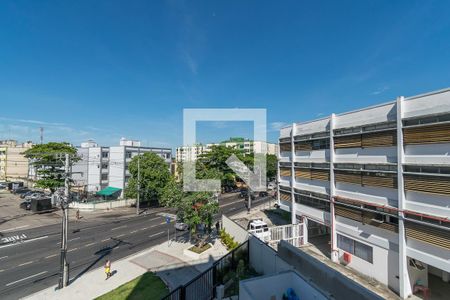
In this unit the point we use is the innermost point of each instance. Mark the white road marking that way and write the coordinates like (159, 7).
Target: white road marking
(90, 244)
(73, 249)
(120, 235)
(154, 219)
(231, 203)
(134, 231)
(23, 241)
(6, 256)
(11, 283)
(123, 226)
(144, 228)
(2, 271)
(162, 223)
(26, 263)
(156, 234)
(106, 240)
(74, 239)
(50, 256)
(15, 228)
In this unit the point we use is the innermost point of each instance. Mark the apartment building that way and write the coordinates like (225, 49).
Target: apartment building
(191, 153)
(374, 184)
(100, 167)
(13, 164)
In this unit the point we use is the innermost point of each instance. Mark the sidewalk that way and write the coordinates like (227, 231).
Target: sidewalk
(167, 261)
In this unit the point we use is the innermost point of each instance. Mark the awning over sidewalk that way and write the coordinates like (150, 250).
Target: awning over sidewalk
(108, 191)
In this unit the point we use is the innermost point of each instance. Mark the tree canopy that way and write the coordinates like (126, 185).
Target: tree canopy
(154, 176)
(49, 160)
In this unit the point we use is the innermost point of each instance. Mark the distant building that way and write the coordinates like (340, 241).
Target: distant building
(100, 167)
(13, 164)
(191, 153)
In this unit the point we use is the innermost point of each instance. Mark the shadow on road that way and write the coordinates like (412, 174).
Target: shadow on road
(101, 254)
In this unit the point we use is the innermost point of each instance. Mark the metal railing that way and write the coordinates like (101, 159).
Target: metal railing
(203, 286)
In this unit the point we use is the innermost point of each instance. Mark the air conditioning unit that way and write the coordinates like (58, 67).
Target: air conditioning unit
(347, 258)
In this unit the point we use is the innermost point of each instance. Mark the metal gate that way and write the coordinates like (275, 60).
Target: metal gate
(292, 233)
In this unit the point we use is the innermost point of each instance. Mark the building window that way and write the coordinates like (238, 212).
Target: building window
(104, 176)
(128, 154)
(105, 154)
(104, 166)
(356, 248)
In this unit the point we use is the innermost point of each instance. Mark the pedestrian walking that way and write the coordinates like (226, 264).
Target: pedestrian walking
(77, 214)
(108, 269)
(217, 227)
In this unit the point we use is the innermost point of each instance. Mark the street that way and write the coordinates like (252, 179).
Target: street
(33, 263)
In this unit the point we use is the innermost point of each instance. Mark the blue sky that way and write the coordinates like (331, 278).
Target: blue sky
(107, 69)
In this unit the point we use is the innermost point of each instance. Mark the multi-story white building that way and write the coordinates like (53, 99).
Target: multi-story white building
(375, 184)
(100, 167)
(191, 153)
(13, 164)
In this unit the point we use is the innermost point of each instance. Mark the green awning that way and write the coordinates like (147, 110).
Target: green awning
(108, 191)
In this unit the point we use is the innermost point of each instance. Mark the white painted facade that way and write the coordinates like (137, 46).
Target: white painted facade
(100, 167)
(399, 211)
(191, 153)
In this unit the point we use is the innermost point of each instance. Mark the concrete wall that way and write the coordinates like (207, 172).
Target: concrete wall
(378, 195)
(317, 186)
(264, 259)
(315, 156)
(427, 104)
(371, 115)
(319, 125)
(376, 155)
(326, 278)
(102, 205)
(239, 234)
(266, 287)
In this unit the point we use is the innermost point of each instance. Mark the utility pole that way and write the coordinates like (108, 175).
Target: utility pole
(139, 181)
(42, 134)
(64, 268)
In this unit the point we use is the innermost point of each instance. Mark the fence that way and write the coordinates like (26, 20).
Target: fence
(292, 233)
(224, 272)
(102, 204)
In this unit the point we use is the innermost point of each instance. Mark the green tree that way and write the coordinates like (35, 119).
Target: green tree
(154, 175)
(272, 163)
(49, 161)
(215, 161)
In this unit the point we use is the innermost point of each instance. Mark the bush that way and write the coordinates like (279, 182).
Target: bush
(228, 240)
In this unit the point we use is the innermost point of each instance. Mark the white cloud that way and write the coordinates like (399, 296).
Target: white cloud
(380, 90)
(276, 126)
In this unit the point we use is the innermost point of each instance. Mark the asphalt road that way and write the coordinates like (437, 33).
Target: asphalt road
(33, 263)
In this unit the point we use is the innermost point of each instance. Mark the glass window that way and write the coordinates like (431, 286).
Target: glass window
(104, 176)
(105, 154)
(345, 243)
(364, 251)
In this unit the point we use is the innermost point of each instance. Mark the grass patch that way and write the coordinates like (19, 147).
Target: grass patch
(146, 286)
(199, 250)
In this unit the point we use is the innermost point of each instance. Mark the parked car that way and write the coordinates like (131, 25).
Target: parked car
(35, 195)
(181, 226)
(23, 195)
(3, 186)
(25, 205)
(21, 190)
(263, 194)
(244, 194)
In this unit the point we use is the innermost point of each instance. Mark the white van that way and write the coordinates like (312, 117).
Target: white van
(260, 229)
